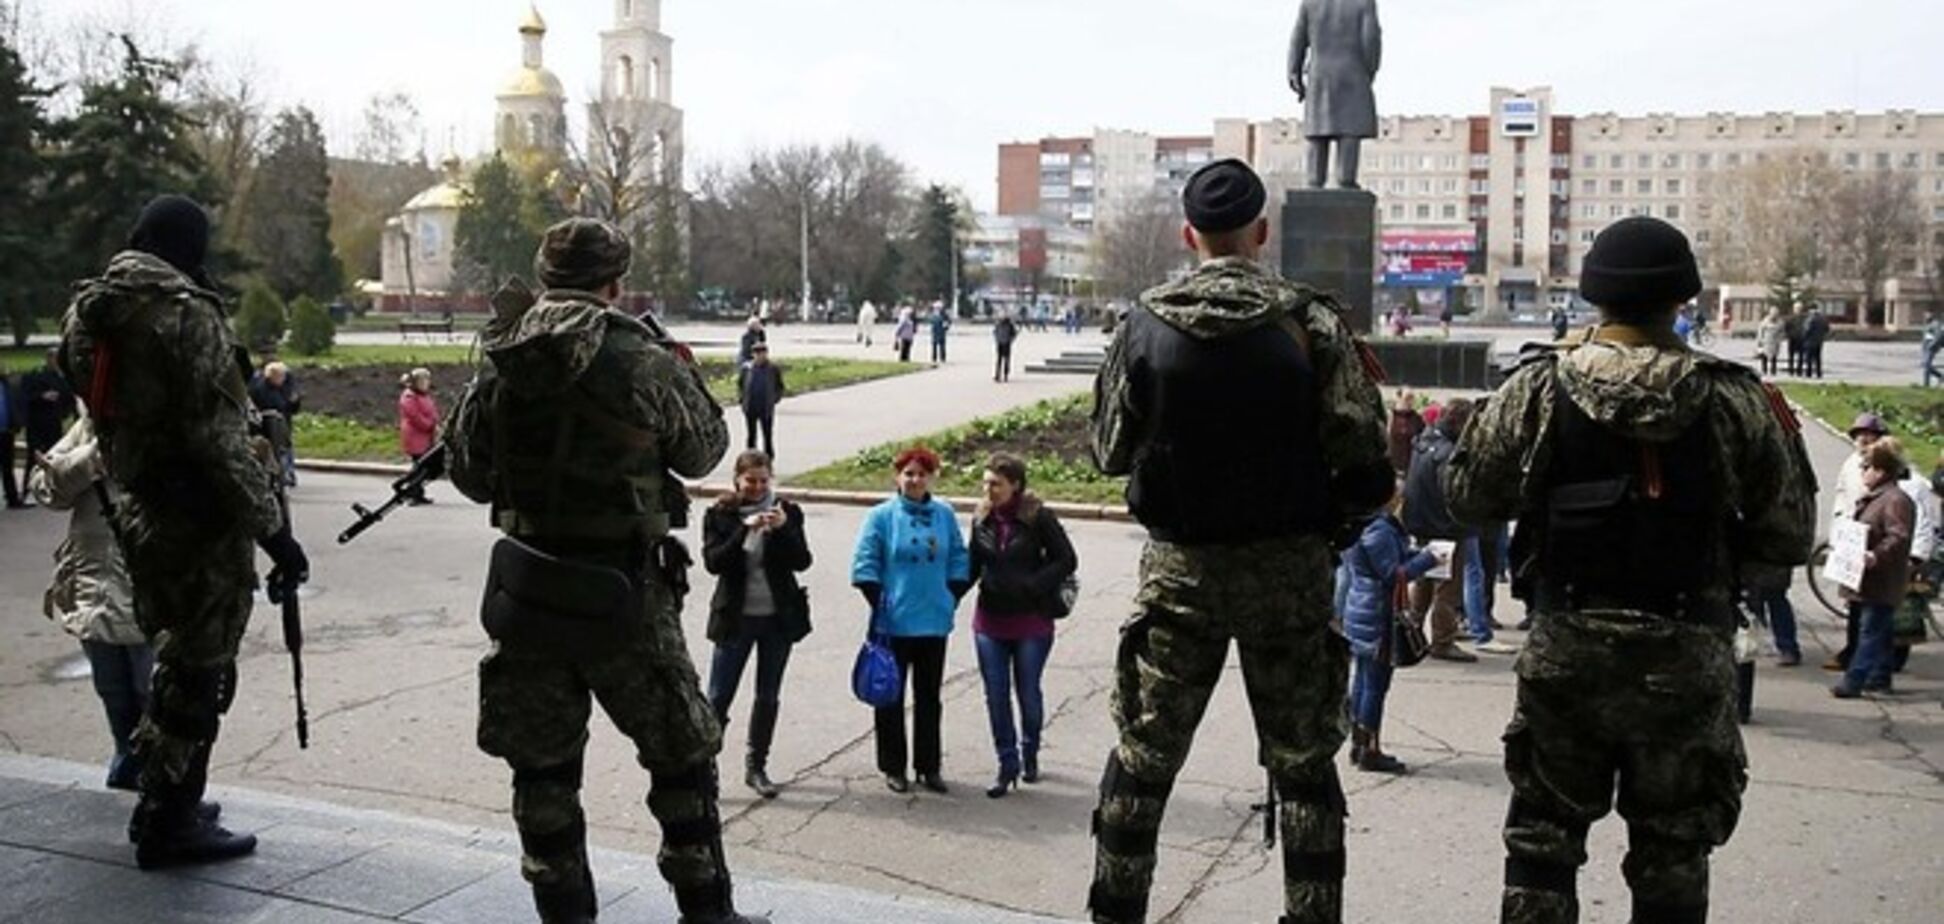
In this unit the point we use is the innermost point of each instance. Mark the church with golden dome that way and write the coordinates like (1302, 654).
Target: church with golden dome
(634, 130)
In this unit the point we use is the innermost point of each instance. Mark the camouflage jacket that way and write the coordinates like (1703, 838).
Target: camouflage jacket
(587, 413)
(1647, 386)
(1229, 295)
(154, 356)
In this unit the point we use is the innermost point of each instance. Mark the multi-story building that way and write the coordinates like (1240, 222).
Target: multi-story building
(1500, 209)
(1519, 193)
(1080, 182)
(1027, 260)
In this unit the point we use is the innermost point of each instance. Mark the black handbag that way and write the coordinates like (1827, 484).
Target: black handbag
(1405, 644)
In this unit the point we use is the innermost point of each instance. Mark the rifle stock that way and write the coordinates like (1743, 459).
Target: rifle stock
(429, 467)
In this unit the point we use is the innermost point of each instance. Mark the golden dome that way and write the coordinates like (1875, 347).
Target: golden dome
(533, 81)
(533, 23)
(450, 194)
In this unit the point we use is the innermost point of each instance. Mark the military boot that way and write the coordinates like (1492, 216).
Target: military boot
(169, 831)
(762, 731)
(713, 903)
(567, 904)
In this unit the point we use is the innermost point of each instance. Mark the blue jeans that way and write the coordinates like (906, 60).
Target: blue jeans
(1774, 604)
(763, 635)
(1005, 665)
(1478, 591)
(1368, 688)
(1869, 665)
(121, 678)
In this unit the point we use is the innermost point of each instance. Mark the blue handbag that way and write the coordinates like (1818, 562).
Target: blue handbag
(876, 679)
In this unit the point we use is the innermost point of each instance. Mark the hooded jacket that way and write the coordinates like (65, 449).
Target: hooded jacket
(1645, 385)
(1239, 406)
(90, 595)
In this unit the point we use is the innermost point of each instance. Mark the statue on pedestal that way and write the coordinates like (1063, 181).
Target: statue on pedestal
(1333, 59)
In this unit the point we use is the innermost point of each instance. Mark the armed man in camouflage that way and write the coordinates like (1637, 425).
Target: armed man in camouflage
(1647, 479)
(570, 430)
(149, 348)
(1248, 419)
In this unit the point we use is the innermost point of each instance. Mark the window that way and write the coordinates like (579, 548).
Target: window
(1937, 160)
(1424, 187)
(1589, 187)
(1616, 187)
(1425, 163)
(1883, 160)
(1703, 186)
(1481, 162)
(1937, 213)
(1590, 162)
(1644, 186)
(1704, 161)
(1397, 211)
(1670, 161)
(1562, 162)
(1478, 211)
(1616, 210)
(1639, 211)
(1560, 188)
(430, 240)
(1481, 188)
(1734, 160)
(1912, 160)
(1450, 161)
(1518, 233)
(1586, 236)
(1704, 211)
(1448, 186)
(1644, 161)
(1397, 161)
(1449, 212)
(1589, 210)
(1398, 187)
(1702, 236)
(1852, 159)
(1424, 211)
(1672, 212)
(1673, 187)
(1616, 162)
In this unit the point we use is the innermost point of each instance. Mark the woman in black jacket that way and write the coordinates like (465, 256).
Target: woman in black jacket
(754, 545)
(1021, 559)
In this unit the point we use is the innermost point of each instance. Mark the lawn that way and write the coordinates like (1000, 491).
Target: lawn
(1051, 436)
(14, 361)
(1915, 415)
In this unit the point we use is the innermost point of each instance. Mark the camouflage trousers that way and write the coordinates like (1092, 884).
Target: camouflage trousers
(1272, 600)
(533, 713)
(1631, 703)
(194, 607)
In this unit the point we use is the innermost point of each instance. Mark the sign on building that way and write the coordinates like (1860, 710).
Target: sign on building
(1519, 117)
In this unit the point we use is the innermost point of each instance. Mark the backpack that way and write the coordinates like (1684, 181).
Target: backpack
(1425, 514)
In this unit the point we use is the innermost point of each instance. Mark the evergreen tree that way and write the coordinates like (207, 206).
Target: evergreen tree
(495, 240)
(259, 322)
(126, 144)
(311, 330)
(288, 206)
(933, 249)
(23, 174)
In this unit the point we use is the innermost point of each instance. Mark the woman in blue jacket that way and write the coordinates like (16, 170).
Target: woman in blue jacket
(1367, 584)
(912, 566)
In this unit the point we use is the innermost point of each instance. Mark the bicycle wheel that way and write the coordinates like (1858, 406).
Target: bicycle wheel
(1824, 589)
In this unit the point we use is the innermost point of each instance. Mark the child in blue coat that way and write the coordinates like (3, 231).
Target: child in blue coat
(1373, 571)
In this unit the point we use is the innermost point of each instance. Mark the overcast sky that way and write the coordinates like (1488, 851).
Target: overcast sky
(942, 82)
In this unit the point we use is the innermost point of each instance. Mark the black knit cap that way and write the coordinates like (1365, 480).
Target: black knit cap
(1639, 264)
(1223, 196)
(583, 254)
(175, 229)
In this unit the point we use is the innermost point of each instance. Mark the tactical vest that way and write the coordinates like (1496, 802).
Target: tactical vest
(1628, 524)
(1230, 452)
(565, 468)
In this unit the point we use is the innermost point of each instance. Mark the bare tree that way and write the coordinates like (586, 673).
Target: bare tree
(390, 131)
(621, 169)
(1771, 218)
(1139, 245)
(1876, 223)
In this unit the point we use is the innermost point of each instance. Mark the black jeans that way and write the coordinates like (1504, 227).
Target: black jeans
(1002, 369)
(923, 660)
(938, 350)
(765, 419)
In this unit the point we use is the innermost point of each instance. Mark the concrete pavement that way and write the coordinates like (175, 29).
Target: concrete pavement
(1843, 813)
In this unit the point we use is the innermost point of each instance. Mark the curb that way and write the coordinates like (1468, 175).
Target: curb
(1104, 513)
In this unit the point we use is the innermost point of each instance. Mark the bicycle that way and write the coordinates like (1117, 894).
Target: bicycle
(1820, 586)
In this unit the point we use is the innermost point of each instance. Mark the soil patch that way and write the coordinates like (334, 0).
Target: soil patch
(369, 394)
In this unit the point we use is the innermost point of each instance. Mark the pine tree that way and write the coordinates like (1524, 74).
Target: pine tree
(933, 251)
(126, 144)
(311, 330)
(289, 223)
(495, 240)
(23, 173)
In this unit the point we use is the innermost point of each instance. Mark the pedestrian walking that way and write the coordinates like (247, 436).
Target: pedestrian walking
(1642, 474)
(196, 498)
(754, 543)
(912, 566)
(759, 388)
(1369, 584)
(1004, 332)
(1768, 339)
(1231, 557)
(418, 423)
(941, 325)
(90, 597)
(905, 333)
(867, 319)
(575, 436)
(1021, 558)
(9, 424)
(1891, 518)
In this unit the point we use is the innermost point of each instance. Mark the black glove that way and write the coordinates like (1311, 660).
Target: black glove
(873, 594)
(289, 566)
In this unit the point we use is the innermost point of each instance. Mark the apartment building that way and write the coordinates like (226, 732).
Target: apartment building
(1080, 181)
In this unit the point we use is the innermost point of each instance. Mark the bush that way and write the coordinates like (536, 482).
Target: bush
(311, 329)
(259, 323)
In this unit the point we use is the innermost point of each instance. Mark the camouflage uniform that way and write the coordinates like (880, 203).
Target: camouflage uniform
(588, 414)
(153, 354)
(1271, 597)
(1644, 696)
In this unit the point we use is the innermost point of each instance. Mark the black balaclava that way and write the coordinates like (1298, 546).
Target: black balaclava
(175, 229)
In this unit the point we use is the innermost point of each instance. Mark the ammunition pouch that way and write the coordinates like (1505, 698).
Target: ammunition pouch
(539, 604)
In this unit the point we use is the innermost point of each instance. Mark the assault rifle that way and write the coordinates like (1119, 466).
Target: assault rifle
(429, 467)
(283, 590)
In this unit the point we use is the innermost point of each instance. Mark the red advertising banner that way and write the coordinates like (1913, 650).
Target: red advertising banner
(1458, 241)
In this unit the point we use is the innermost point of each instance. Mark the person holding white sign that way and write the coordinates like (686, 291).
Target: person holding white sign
(1890, 516)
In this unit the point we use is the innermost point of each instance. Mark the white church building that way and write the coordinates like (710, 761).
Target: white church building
(635, 117)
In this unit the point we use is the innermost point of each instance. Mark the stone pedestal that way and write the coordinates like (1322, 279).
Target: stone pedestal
(1329, 241)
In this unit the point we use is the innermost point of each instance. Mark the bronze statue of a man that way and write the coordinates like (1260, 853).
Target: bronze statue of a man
(1333, 58)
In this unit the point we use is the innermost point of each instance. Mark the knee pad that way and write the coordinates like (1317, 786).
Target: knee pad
(1523, 813)
(1326, 794)
(1314, 862)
